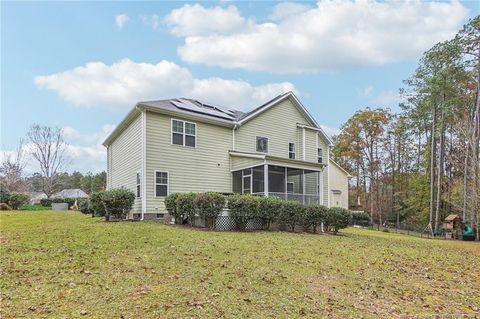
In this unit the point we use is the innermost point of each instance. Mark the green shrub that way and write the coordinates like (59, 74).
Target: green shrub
(4, 193)
(118, 202)
(17, 199)
(185, 207)
(209, 206)
(313, 216)
(84, 206)
(243, 208)
(291, 213)
(4, 206)
(35, 207)
(269, 208)
(96, 203)
(337, 218)
(171, 206)
(46, 202)
(361, 218)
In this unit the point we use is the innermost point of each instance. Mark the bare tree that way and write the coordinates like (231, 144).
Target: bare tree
(11, 170)
(48, 148)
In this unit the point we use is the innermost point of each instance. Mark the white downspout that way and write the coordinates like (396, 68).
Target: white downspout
(233, 137)
(328, 175)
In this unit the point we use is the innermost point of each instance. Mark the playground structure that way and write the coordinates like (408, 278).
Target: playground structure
(454, 228)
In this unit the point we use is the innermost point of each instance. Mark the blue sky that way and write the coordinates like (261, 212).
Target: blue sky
(338, 57)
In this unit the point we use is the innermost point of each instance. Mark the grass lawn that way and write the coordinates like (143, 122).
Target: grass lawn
(64, 264)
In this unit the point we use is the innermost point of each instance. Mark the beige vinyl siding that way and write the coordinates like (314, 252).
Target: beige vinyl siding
(338, 181)
(279, 124)
(237, 163)
(124, 159)
(200, 169)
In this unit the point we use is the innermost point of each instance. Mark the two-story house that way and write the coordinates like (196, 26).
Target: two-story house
(183, 145)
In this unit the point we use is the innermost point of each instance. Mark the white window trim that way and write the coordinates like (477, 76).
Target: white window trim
(294, 150)
(138, 178)
(251, 180)
(184, 133)
(268, 144)
(155, 183)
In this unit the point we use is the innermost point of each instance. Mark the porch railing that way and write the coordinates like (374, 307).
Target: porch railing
(302, 198)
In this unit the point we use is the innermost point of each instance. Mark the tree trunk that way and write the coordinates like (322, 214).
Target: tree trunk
(440, 172)
(432, 166)
(465, 179)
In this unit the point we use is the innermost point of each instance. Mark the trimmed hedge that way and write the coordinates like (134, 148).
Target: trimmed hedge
(96, 205)
(313, 216)
(243, 208)
(291, 214)
(171, 206)
(337, 218)
(361, 218)
(269, 208)
(118, 202)
(185, 207)
(209, 206)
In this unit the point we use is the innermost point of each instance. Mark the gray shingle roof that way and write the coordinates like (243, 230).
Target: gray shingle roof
(205, 109)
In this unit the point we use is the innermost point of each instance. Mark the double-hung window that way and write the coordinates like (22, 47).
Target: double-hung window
(161, 184)
(291, 151)
(184, 133)
(138, 188)
(319, 155)
(262, 144)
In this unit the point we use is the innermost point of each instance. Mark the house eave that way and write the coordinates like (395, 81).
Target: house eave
(123, 124)
(318, 129)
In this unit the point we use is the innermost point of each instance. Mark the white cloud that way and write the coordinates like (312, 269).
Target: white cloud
(122, 84)
(194, 20)
(121, 20)
(152, 21)
(331, 131)
(330, 36)
(385, 98)
(287, 9)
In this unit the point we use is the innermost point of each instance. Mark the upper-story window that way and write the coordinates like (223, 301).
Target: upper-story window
(319, 155)
(291, 151)
(262, 144)
(184, 133)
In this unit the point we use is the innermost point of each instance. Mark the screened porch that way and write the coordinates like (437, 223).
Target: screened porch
(285, 182)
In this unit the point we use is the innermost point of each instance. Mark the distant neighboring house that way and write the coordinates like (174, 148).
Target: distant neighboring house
(35, 197)
(338, 185)
(184, 145)
(71, 193)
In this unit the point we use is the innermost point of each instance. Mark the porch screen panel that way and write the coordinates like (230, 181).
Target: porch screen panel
(237, 181)
(295, 178)
(311, 182)
(276, 179)
(258, 183)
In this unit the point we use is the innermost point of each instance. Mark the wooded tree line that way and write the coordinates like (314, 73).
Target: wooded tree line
(46, 146)
(421, 164)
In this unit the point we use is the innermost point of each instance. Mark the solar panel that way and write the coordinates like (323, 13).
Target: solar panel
(190, 106)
